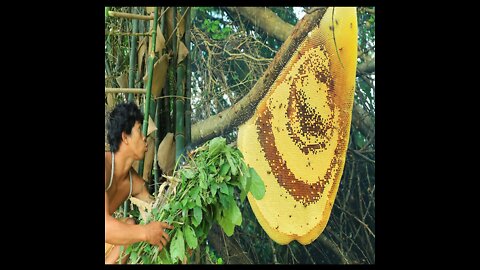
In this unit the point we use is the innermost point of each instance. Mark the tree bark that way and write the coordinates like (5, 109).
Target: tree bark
(366, 67)
(267, 20)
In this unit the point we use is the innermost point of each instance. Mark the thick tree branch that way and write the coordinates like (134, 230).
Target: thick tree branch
(366, 67)
(362, 120)
(267, 20)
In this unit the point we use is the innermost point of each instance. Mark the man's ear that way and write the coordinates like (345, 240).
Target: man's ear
(124, 137)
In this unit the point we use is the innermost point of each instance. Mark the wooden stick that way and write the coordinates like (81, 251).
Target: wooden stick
(130, 15)
(114, 33)
(125, 90)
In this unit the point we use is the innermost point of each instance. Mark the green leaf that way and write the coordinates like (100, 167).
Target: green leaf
(257, 188)
(185, 201)
(243, 195)
(214, 188)
(237, 151)
(243, 182)
(177, 247)
(203, 178)
(224, 169)
(191, 204)
(227, 226)
(190, 237)
(198, 202)
(224, 200)
(133, 256)
(231, 162)
(197, 216)
(164, 257)
(224, 188)
(233, 213)
(215, 146)
(146, 259)
(189, 174)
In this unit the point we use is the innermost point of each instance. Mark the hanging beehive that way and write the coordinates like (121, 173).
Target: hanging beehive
(298, 137)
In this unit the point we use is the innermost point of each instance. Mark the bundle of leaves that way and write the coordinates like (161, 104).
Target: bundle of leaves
(207, 189)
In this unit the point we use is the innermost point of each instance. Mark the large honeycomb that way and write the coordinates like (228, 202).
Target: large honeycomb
(298, 136)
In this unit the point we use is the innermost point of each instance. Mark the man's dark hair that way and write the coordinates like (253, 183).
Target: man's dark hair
(122, 118)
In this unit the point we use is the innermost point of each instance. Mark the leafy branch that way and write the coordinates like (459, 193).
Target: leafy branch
(201, 192)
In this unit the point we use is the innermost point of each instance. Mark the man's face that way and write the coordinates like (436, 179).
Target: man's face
(137, 142)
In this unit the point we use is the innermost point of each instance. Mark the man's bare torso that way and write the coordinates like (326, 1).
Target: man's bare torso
(120, 188)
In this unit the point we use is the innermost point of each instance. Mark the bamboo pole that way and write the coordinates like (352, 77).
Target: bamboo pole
(151, 59)
(106, 14)
(130, 15)
(125, 90)
(133, 58)
(114, 33)
(180, 111)
(173, 65)
(188, 108)
(157, 123)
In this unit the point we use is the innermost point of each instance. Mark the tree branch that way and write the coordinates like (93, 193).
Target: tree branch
(267, 20)
(366, 67)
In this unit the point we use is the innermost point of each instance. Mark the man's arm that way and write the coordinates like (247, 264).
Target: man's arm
(119, 233)
(139, 189)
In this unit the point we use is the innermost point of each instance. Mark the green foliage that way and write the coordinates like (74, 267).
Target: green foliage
(205, 195)
(212, 257)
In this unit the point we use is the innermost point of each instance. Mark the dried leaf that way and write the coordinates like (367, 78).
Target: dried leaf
(180, 25)
(122, 80)
(182, 52)
(142, 47)
(159, 75)
(143, 207)
(160, 45)
(150, 31)
(151, 126)
(148, 161)
(166, 154)
(169, 21)
(110, 101)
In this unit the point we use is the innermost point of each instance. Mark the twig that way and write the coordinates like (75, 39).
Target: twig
(293, 255)
(361, 155)
(334, 247)
(309, 255)
(160, 97)
(361, 222)
(273, 251)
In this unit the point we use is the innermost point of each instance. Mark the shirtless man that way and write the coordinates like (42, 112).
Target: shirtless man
(127, 144)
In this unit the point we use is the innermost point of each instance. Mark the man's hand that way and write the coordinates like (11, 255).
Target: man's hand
(156, 235)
